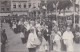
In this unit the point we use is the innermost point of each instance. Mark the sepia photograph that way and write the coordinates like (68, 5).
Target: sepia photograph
(39, 25)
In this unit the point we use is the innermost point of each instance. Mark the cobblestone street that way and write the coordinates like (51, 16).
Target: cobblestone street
(14, 41)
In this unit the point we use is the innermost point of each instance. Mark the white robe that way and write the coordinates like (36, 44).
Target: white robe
(68, 40)
(57, 39)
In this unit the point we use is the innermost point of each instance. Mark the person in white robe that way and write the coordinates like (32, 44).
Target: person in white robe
(68, 39)
(57, 38)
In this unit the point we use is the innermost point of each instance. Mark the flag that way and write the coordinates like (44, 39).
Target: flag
(54, 5)
(57, 3)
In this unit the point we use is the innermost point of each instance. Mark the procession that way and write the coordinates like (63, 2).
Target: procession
(41, 30)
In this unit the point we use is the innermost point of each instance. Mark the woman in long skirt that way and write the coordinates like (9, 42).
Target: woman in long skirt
(30, 42)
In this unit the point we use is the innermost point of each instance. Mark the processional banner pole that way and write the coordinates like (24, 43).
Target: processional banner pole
(73, 2)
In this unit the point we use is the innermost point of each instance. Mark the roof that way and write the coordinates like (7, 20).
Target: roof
(19, 0)
(4, 0)
(14, 0)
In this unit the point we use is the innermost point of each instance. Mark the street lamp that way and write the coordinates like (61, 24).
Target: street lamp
(55, 5)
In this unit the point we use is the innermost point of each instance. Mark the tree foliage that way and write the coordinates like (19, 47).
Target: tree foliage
(63, 4)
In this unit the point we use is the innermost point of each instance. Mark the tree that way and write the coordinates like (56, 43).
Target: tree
(63, 4)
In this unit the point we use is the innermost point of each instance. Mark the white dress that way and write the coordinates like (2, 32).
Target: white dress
(42, 47)
(30, 40)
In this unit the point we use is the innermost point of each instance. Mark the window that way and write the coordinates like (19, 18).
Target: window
(34, 5)
(24, 5)
(38, 4)
(14, 6)
(19, 5)
(2, 9)
(7, 9)
(29, 5)
(2, 3)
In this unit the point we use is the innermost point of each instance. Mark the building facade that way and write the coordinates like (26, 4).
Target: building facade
(19, 7)
(5, 7)
(34, 7)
